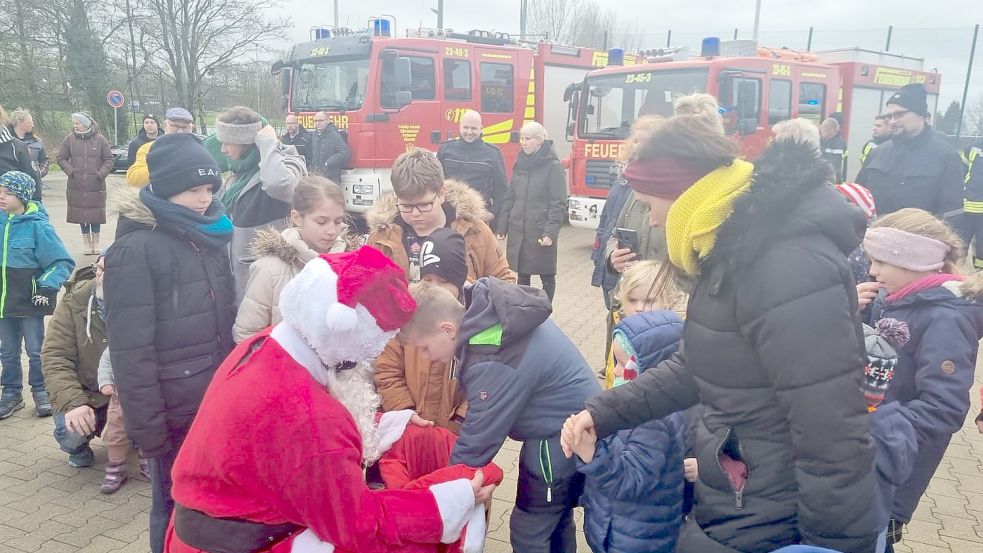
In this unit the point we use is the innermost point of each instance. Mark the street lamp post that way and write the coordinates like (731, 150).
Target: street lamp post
(757, 18)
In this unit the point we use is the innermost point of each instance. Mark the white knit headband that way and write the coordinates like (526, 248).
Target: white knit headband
(905, 249)
(230, 133)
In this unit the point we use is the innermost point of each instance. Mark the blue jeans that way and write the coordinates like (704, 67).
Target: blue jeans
(72, 442)
(90, 227)
(12, 331)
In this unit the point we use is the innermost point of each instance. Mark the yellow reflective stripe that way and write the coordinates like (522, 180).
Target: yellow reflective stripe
(977, 263)
(972, 207)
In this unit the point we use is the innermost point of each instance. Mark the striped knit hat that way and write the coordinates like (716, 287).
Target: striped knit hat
(859, 196)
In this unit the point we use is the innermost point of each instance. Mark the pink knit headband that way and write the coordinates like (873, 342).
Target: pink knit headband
(905, 249)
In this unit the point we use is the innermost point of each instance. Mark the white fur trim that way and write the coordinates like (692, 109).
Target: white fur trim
(455, 501)
(294, 344)
(341, 318)
(307, 542)
(392, 425)
(474, 534)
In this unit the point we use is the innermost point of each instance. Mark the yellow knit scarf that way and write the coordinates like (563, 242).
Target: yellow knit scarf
(693, 220)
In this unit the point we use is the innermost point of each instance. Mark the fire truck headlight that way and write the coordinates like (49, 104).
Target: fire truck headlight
(362, 189)
(573, 204)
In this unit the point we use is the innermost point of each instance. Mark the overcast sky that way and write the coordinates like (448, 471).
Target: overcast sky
(940, 31)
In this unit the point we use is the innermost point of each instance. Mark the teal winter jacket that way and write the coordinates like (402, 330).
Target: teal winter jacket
(34, 263)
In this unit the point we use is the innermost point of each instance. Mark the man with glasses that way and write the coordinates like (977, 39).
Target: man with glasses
(918, 167)
(329, 151)
(176, 120)
(423, 202)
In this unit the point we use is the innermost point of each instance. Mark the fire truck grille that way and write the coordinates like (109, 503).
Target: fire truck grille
(600, 174)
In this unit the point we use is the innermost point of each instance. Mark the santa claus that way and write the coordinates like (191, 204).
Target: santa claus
(275, 458)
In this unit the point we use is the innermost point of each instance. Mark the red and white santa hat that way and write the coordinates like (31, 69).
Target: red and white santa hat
(367, 277)
(859, 196)
(324, 300)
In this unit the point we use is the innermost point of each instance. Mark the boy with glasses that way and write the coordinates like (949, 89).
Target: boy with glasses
(423, 202)
(918, 167)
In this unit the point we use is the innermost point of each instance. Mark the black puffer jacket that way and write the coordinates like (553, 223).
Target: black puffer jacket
(169, 314)
(772, 349)
(15, 156)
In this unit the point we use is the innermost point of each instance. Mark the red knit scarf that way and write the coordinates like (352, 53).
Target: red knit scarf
(663, 177)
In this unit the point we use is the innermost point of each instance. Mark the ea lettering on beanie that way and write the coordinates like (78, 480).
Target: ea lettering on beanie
(179, 162)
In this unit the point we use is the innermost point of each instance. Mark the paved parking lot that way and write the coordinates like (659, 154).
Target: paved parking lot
(47, 506)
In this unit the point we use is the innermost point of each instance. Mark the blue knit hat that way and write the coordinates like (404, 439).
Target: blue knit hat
(20, 184)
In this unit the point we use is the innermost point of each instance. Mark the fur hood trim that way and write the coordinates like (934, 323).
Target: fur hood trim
(125, 201)
(774, 204)
(270, 241)
(467, 203)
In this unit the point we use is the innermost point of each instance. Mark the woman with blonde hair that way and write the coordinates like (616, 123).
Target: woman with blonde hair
(916, 260)
(14, 154)
(772, 344)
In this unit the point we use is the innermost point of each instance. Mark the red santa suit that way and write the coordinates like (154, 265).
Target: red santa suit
(278, 439)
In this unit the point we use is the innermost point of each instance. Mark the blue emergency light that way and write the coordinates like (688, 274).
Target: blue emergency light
(710, 47)
(616, 56)
(321, 33)
(381, 27)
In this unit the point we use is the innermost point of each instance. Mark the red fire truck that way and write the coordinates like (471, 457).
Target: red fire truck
(389, 94)
(756, 88)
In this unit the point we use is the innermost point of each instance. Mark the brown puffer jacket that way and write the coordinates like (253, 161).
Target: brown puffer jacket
(484, 258)
(87, 160)
(281, 255)
(406, 379)
(73, 343)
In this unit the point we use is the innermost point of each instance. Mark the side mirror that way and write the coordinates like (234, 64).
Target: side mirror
(514, 137)
(568, 93)
(404, 73)
(404, 98)
(286, 74)
(747, 126)
(278, 66)
(570, 128)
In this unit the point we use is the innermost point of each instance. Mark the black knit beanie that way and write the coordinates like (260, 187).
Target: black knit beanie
(912, 97)
(179, 162)
(443, 255)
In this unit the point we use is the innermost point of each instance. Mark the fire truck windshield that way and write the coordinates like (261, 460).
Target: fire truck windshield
(330, 84)
(614, 101)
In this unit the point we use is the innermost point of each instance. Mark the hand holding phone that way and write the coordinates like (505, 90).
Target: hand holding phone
(627, 239)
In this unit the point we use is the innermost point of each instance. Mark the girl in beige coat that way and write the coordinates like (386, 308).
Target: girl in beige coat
(318, 226)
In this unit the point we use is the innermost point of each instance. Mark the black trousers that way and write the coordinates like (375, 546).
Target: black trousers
(549, 283)
(542, 521)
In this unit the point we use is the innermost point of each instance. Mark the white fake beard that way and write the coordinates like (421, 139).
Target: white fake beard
(354, 389)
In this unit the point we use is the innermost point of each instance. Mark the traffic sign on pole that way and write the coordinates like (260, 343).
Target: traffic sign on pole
(115, 99)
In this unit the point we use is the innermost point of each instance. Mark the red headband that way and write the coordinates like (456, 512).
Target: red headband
(662, 177)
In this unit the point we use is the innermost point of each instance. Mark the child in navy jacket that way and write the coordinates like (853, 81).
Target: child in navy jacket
(916, 258)
(633, 493)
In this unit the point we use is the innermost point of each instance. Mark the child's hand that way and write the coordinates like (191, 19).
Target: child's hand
(108, 390)
(691, 469)
(574, 430)
(420, 421)
(587, 445)
(866, 293)
(482, 493)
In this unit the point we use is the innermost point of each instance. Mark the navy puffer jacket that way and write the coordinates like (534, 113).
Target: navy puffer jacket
(633, 495)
